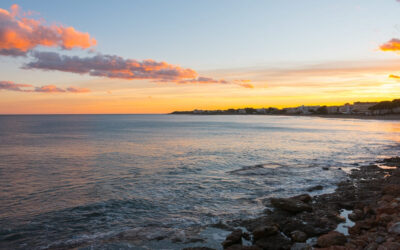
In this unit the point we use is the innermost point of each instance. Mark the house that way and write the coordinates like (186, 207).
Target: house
(363, 107)
(332, 109)
(346, 109)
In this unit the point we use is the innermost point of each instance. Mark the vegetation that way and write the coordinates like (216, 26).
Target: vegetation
(386, 105)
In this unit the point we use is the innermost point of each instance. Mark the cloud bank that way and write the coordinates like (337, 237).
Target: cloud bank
(112, 66)
(19, 35)
(11, 86)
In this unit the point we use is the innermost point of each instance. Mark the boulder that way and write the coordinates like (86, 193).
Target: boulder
(315, 188)
(356, 215)
(303, 197)
(298, 236)
(301, 246)
(290, 205)
(391, 189)
(274, 242)
(240, 247)
(331, 239)
(389, 246)
(265, 231)
(234, 238)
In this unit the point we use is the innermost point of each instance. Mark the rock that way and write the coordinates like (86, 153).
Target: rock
(234, 238)
(301, 246)
(315, 188)
(332, 238)
(290, 205)
(198, 248)
(274, 242)
(298, 236)
(303, 197)
(384, 218)
(372, 246)
(240, 247)
(265, 231)
(356, 215)
(325, 168)
(389, 246)
(394, 228)
(391, 189)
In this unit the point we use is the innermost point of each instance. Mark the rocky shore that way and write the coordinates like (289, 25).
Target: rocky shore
(363, 213)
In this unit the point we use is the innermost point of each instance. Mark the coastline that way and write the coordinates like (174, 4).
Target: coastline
(389, 117)
(363, 213)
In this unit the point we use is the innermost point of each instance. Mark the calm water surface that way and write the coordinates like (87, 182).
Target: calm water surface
(160, 181)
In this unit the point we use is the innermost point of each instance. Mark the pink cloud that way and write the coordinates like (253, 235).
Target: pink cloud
(11, 86)
(18, 35)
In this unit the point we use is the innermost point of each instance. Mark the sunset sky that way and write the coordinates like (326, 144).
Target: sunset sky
(159, 56)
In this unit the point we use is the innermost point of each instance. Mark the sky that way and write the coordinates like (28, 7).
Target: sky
(160, 56)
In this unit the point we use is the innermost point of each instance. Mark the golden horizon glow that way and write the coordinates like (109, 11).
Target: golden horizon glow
(107, 84)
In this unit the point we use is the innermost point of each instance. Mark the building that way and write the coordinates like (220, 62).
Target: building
(363, 107)
(332, 109)
(346, 109)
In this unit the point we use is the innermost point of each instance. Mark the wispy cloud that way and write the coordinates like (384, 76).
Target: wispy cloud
(20, 34)
(12, 86)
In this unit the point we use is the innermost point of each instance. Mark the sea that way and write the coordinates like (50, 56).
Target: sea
(166, 181)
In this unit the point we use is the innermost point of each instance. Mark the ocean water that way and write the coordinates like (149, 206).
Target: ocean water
(162, 181)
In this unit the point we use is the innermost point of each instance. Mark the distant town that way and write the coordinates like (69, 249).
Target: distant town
(357, 108)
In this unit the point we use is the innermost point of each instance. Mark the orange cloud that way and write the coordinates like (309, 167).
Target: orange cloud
(18, 35)
(11, 86)
(392, 45)
(394, 77)
(244, 83)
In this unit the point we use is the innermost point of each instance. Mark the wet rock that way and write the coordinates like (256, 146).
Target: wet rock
(389, 246)
(234, 238)
(265, 231)
(384, 218)
(394, 228)
(372, 246)
(240, 247)
(356, 215)
(198, 248)
(290, 205)
(298, 236)
(332, 238)
(274, 242)
(391, 189)
(315, 188)
(303, 197)
(301, 246)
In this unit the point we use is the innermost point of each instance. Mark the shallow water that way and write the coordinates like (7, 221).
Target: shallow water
(123, 181)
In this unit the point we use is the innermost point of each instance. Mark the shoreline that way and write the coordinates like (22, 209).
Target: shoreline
(362, 213)
(390, 117)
